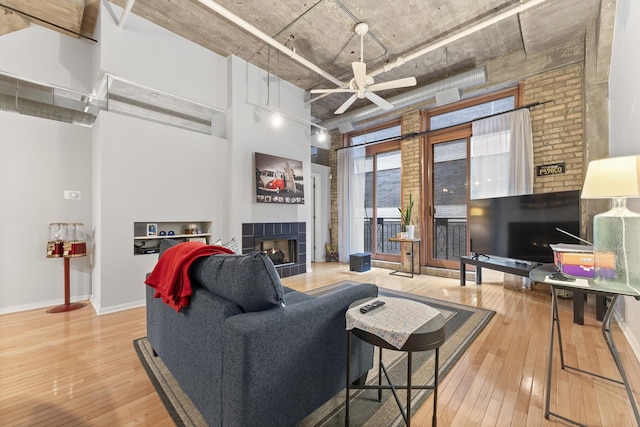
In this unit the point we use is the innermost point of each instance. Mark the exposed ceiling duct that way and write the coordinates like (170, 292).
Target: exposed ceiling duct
(45, 111)
(468, 79)
(38, 100)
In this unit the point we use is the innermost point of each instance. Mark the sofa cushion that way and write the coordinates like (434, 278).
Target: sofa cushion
(250, 280)
(167, 244)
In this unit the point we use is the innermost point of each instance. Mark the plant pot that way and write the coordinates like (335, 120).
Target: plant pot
(411, 229)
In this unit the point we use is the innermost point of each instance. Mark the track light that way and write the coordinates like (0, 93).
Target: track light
(276, 119)
(322, 135)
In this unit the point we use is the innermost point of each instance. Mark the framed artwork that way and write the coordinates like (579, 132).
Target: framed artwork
(152, 229)
(278, 180)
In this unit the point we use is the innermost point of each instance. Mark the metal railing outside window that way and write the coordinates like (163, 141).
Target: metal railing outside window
(450, 238)
(385, 228)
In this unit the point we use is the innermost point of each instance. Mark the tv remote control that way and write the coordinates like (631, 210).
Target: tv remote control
(367, 308)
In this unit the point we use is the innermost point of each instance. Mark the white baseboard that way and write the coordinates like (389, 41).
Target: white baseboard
(40, 304)
(633, 342)
(121, 307)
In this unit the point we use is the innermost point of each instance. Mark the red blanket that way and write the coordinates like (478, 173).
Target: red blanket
(170, 276)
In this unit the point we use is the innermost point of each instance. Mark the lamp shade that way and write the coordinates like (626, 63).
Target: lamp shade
(612, 177)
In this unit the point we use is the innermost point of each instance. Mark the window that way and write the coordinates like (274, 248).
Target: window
(382, 190)
(447, 180)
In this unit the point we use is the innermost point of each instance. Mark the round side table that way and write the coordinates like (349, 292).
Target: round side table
(430, 336)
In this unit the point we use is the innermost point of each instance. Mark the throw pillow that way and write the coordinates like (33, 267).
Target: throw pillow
(233, 245)
(250, 280)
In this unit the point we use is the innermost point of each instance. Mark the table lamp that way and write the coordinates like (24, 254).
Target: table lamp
(616, 233)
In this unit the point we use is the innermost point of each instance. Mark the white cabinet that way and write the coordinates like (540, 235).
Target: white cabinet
(148, 235)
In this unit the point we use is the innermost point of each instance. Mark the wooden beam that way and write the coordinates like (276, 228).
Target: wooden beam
(90, 17)
(77, 16)
(10, 22)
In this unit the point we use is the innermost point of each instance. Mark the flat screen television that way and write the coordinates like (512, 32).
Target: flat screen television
(522, 227)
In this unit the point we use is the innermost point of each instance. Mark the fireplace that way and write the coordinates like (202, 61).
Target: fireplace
(284, 242)
(282, 250)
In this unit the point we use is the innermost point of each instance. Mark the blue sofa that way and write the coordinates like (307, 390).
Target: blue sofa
(249, 351)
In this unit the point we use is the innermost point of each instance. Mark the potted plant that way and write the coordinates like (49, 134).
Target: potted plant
(332, 252)
(405, 219)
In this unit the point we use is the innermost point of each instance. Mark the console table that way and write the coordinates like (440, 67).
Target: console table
(541, 274)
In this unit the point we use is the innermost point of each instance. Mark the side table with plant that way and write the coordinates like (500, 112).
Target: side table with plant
(407, 228)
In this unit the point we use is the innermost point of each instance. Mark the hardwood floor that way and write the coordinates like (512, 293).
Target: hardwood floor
(80, 369)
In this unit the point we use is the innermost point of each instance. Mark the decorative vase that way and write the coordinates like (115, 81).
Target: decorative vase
(411, 229)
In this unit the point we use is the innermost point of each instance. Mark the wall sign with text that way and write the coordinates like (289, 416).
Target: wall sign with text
(553, 169)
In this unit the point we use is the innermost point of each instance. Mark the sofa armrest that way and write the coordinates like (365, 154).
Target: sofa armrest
(189, 344)
(281, 364)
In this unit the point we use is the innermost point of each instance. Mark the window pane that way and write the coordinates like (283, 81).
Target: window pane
(388, 185)
(383, 221)
(469, 114)
(450, 199)
(379, 135)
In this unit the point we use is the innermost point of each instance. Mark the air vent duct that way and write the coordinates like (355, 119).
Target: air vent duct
(46, 102)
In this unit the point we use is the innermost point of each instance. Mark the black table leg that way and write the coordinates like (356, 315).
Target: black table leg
(346, 403)
(434, 420)
(578, 307)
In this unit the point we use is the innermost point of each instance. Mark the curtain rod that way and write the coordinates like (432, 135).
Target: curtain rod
(426, 132)
(28, 15)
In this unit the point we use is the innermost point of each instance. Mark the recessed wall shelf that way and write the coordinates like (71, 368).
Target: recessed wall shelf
(145, 243)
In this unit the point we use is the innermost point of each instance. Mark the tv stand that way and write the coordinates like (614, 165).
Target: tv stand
(517, 267)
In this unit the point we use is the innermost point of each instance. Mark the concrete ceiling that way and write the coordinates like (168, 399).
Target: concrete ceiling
(321, 31)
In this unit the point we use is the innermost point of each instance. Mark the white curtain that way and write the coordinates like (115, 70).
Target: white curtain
(502, 155)
(351, 213)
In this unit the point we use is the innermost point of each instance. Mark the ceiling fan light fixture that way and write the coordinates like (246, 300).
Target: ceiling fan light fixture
(362, 85)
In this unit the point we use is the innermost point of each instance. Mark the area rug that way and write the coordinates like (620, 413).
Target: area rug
(463, 324)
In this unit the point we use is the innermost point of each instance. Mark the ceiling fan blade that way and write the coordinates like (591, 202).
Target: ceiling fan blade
(347, 104)
(360, 73)
(336, 90)
(406, 82)
(385, 105)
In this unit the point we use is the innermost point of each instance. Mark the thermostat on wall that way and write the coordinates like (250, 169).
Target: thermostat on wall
(72, 195)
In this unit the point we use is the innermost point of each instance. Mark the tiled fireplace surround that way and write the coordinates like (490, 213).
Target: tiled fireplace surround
(277, 231)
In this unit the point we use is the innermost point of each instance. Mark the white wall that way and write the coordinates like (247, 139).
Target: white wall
(624, 122)
(250, 131)
(148, 54)
(323, 210)
(46, 56)
(147, 172)
(130, 170)
(39, 159)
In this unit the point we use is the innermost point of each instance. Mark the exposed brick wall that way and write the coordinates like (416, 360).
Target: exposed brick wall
(336, 142)
(412, 178)
(558, 132)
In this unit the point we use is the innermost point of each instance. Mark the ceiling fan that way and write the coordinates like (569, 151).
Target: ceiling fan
(362, 85)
